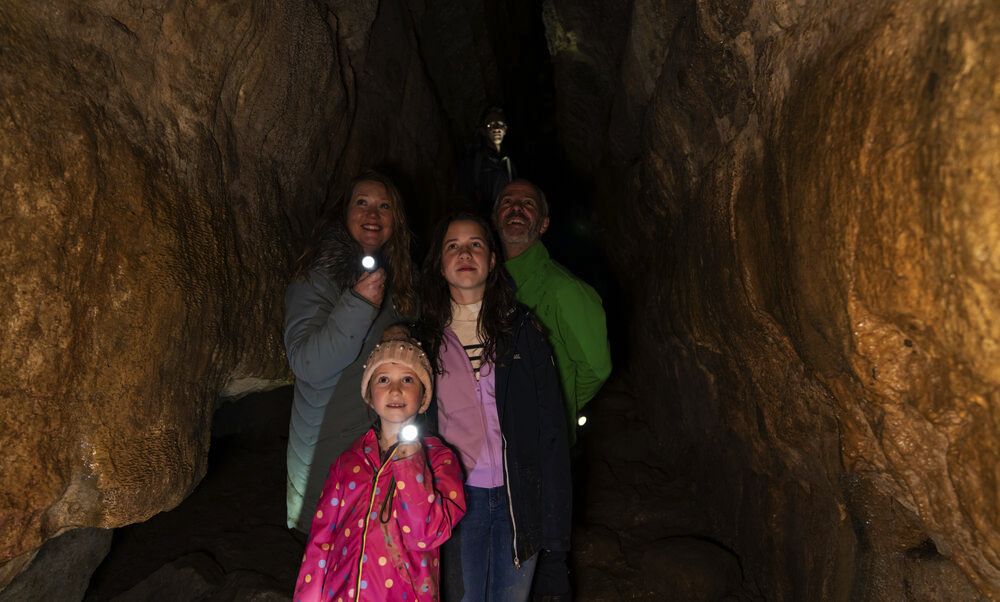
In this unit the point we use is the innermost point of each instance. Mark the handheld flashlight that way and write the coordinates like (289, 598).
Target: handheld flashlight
(408, 434)
(368, 263)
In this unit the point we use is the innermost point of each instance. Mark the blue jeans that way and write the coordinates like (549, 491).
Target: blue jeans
(478, 561)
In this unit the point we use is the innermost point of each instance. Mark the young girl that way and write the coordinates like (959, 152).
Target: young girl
(389, 503)
(499, 404)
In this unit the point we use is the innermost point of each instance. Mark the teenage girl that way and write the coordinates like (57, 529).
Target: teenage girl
(499, 405)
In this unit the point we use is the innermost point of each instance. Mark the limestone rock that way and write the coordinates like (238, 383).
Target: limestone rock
(161, 165)
(690, 569)
(811, 190)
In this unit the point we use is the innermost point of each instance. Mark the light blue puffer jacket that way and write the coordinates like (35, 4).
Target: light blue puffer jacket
(329, 332)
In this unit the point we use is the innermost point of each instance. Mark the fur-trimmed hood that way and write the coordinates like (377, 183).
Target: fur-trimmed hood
(339, 256)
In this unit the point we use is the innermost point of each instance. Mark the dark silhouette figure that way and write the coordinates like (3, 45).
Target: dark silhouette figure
(487, 167)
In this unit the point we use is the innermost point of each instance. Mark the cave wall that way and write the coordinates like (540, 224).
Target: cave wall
(806, 188)
(162, 164)
(810, 188)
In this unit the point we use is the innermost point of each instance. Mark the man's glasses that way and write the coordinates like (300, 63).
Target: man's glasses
(496, 125)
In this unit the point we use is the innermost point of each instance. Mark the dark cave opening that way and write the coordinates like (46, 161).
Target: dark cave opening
(577, 236)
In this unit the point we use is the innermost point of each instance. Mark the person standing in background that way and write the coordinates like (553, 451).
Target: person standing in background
(569, 308)
(488, 167)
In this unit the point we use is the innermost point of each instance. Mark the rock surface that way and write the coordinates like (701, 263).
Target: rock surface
(817, 322)
(161, 165)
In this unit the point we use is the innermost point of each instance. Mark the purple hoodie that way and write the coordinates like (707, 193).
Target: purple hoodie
(467, 413)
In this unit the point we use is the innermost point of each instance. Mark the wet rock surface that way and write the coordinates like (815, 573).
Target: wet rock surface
(62, 568)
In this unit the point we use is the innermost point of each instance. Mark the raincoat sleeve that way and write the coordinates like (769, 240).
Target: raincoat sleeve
(309, 585)
(430, 497)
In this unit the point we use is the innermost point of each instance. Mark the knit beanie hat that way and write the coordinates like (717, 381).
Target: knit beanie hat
(397, 348)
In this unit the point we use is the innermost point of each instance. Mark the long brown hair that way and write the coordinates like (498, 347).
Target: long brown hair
(492, 325)
(396, 250)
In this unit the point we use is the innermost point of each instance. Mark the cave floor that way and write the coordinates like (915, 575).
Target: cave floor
(227, 540)
(638, 539)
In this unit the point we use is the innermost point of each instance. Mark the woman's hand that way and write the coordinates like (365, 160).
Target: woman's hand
(371, 286)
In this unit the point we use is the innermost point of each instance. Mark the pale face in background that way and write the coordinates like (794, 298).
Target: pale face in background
(495, 128)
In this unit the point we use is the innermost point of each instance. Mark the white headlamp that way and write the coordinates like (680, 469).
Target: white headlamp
(408, 434)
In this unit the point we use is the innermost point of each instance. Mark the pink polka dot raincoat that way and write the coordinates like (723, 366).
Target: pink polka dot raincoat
(376, 532)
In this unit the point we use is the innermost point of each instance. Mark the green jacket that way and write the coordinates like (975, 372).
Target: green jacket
(573, 317)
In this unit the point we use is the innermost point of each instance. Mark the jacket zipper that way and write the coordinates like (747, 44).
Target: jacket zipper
(506, 473)
(364, 534)
(510, 503)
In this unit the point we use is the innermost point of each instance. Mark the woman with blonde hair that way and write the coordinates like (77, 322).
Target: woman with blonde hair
(335, 311)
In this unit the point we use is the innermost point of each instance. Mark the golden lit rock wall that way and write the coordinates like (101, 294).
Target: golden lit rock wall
(160, 164)
(810, 193)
